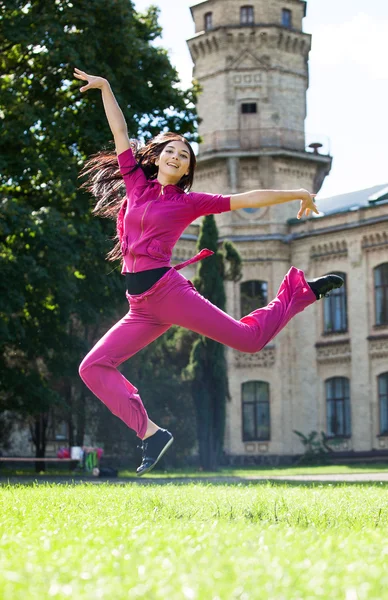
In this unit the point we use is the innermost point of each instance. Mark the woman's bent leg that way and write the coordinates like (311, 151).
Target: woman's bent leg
(187, 308)
(99, 368)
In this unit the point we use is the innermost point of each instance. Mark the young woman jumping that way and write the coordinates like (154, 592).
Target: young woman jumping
(155, 209)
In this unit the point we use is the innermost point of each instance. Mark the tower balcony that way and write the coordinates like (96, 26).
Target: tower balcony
(265, 138)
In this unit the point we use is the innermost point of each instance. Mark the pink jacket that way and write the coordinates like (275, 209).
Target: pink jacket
(152, 220)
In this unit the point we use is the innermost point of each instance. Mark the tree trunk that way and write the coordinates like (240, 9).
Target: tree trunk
(80, 418)
(39, 431)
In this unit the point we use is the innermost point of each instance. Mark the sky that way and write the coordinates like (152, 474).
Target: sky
(347, 100)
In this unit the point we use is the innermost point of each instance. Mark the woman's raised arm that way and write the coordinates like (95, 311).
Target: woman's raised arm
(113, 112)
(259, 198)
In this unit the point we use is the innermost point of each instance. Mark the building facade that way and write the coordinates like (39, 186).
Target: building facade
(328, 370)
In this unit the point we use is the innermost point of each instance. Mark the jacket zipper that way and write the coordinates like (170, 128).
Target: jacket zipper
(139, 238)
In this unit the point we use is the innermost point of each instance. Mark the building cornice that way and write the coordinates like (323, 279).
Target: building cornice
(341, 227)
(273, 152)
(239, 26)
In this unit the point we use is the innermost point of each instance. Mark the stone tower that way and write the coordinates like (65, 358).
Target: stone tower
(251, 61)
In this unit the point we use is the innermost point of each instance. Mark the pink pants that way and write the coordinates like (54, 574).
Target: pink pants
(173, 300)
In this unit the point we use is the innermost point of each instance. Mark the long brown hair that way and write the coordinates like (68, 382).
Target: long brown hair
(105, 181)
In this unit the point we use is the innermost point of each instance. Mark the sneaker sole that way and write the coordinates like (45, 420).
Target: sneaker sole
(166, 447)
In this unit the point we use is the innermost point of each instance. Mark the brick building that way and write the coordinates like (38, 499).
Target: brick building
(328, 370)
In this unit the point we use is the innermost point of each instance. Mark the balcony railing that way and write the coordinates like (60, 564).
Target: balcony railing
(264, 138)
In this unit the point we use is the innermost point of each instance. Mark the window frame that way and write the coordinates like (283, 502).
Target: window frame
(208, 18)
(343, 401)
(263, 293)
(247, 15)
(330, 304)
(384, 287)
(383, 397)
(288, 12)
(255, 404)
(251, 105)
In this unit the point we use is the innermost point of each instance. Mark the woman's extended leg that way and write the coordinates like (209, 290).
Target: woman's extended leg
(99, 368)
(186, 307)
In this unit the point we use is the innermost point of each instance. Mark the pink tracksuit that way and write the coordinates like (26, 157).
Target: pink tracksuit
(150, 223)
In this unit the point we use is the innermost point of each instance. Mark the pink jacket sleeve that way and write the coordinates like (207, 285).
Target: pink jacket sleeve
(126, 162)
(208, 204)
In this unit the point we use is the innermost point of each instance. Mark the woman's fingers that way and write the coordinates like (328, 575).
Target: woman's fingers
(306, 210)
(81, 74)
(84, 77)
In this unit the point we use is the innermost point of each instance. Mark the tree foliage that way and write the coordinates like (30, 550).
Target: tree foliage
(207, 369)
(57, 290)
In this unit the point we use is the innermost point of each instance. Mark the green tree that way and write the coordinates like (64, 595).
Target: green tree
(207, 368)
(57, 289)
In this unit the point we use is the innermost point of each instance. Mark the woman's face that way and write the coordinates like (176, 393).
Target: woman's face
(173, 162)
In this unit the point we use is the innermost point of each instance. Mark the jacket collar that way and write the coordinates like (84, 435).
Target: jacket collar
(175, 188)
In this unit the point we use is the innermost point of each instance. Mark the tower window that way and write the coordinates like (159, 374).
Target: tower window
(247, 15)
(286, 18)
(248, 108)
(208, 21)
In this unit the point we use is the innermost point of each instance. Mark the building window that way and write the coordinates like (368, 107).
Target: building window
(338, 407)
(249, 108)
(208, 21)
(255, 411)
(381, 294)
(334, 310)
(383, 402)
(247, 15)
(286, 18)
(253, 295)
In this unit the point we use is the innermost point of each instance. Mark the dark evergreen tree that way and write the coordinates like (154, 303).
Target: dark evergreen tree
(207, 369)
(57, 290)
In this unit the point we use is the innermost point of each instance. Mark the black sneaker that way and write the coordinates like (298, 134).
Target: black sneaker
(322, 286)
(153, 449)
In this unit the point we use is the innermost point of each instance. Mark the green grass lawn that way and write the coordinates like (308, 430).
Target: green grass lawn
(194, 541)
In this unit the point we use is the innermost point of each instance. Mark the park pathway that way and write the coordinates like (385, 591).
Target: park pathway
(231, 480)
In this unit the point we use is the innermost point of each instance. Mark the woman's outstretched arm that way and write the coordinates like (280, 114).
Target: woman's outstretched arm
(260, 198)
(116, 120)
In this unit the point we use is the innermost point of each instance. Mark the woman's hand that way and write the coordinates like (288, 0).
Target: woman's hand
(93, 81)
(306, 204)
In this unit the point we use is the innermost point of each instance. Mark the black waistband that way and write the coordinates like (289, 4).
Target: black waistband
(138, 283)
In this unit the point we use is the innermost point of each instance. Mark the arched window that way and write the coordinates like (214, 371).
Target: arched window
(286, 18)
(253, 295)
(255, 411)
(383, 402)
(335, 318)
(208, 21)
(247, 15)
(338, 407)
(381, 294)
